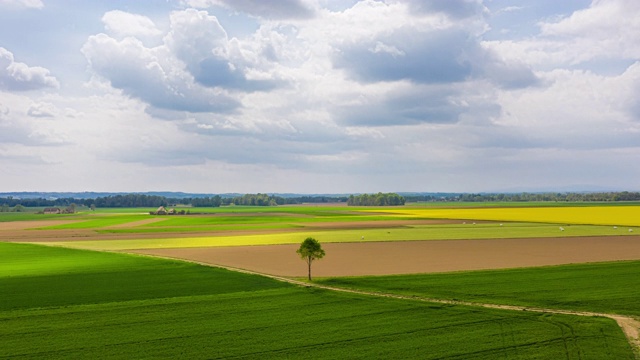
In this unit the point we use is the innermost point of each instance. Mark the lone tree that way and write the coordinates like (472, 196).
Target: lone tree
(310, 250)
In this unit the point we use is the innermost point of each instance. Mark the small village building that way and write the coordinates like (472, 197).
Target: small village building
(161, 211)
(52, 210)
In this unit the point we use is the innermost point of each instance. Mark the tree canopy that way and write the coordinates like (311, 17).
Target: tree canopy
(379, 199)
(310, 250)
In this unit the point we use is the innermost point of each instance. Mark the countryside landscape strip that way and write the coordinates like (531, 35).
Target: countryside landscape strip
(482, 230)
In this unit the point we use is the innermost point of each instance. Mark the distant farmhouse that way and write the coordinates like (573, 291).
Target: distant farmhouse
(71, 209)
(163, 211)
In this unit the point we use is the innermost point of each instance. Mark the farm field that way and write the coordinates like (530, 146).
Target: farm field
(608, 287)
(593, 215)
(408, 257)
(99, 308)
(413, 240)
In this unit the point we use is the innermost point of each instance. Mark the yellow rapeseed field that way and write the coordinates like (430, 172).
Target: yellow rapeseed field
(588, 215)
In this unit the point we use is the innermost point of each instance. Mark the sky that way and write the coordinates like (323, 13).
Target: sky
(319, 96)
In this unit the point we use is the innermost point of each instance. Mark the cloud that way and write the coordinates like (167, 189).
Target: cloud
(17, 76)
(31, 4)
(508, 74)
(197, 68)
(409, 105)
(607, 29)
(429, 57)
(456, 9)
(198, 40)
(630, 82)
(42, 110)
(282, 9)
(151, 75)
(509, 9)
(121, 24)
(17, 130)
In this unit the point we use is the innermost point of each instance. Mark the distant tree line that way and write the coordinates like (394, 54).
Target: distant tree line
(12, 202)
(379, 199)
(256, 200)
(8, 204)
(567, 197)
(129, 200)
(273, 200)
(16, 208)
(141, 200)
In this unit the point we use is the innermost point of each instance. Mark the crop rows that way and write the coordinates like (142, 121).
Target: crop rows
(134, 307)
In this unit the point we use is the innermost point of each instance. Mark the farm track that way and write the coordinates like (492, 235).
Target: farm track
(629, 325)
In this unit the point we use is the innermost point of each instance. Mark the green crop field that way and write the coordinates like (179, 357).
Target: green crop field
(36, 276)
(96, 222)
(612, 287)
(61, 303)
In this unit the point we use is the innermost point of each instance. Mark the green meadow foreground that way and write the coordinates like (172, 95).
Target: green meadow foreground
(65, 303)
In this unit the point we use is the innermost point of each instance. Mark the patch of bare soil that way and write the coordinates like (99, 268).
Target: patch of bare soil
(406, 257)
(24, 225)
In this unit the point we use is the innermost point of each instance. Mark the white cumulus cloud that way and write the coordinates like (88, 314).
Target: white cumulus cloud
(21, 77)
(121, 23)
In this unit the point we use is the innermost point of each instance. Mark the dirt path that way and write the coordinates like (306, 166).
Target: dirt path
(630, 326)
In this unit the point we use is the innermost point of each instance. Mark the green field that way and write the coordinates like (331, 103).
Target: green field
(64, 303)
(612, 287)
(36, 276)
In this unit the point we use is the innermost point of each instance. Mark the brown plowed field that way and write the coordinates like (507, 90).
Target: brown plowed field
(406, 257)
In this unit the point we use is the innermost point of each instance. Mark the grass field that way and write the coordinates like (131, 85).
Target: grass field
(612, 287)
(68, 303)
(33, 276)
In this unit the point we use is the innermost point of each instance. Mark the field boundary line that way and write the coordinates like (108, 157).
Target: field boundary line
(629, 325)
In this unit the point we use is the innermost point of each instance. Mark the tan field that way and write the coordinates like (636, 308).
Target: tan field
(405, 257)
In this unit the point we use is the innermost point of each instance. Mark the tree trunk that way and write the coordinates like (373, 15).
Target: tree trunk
(309, 263)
